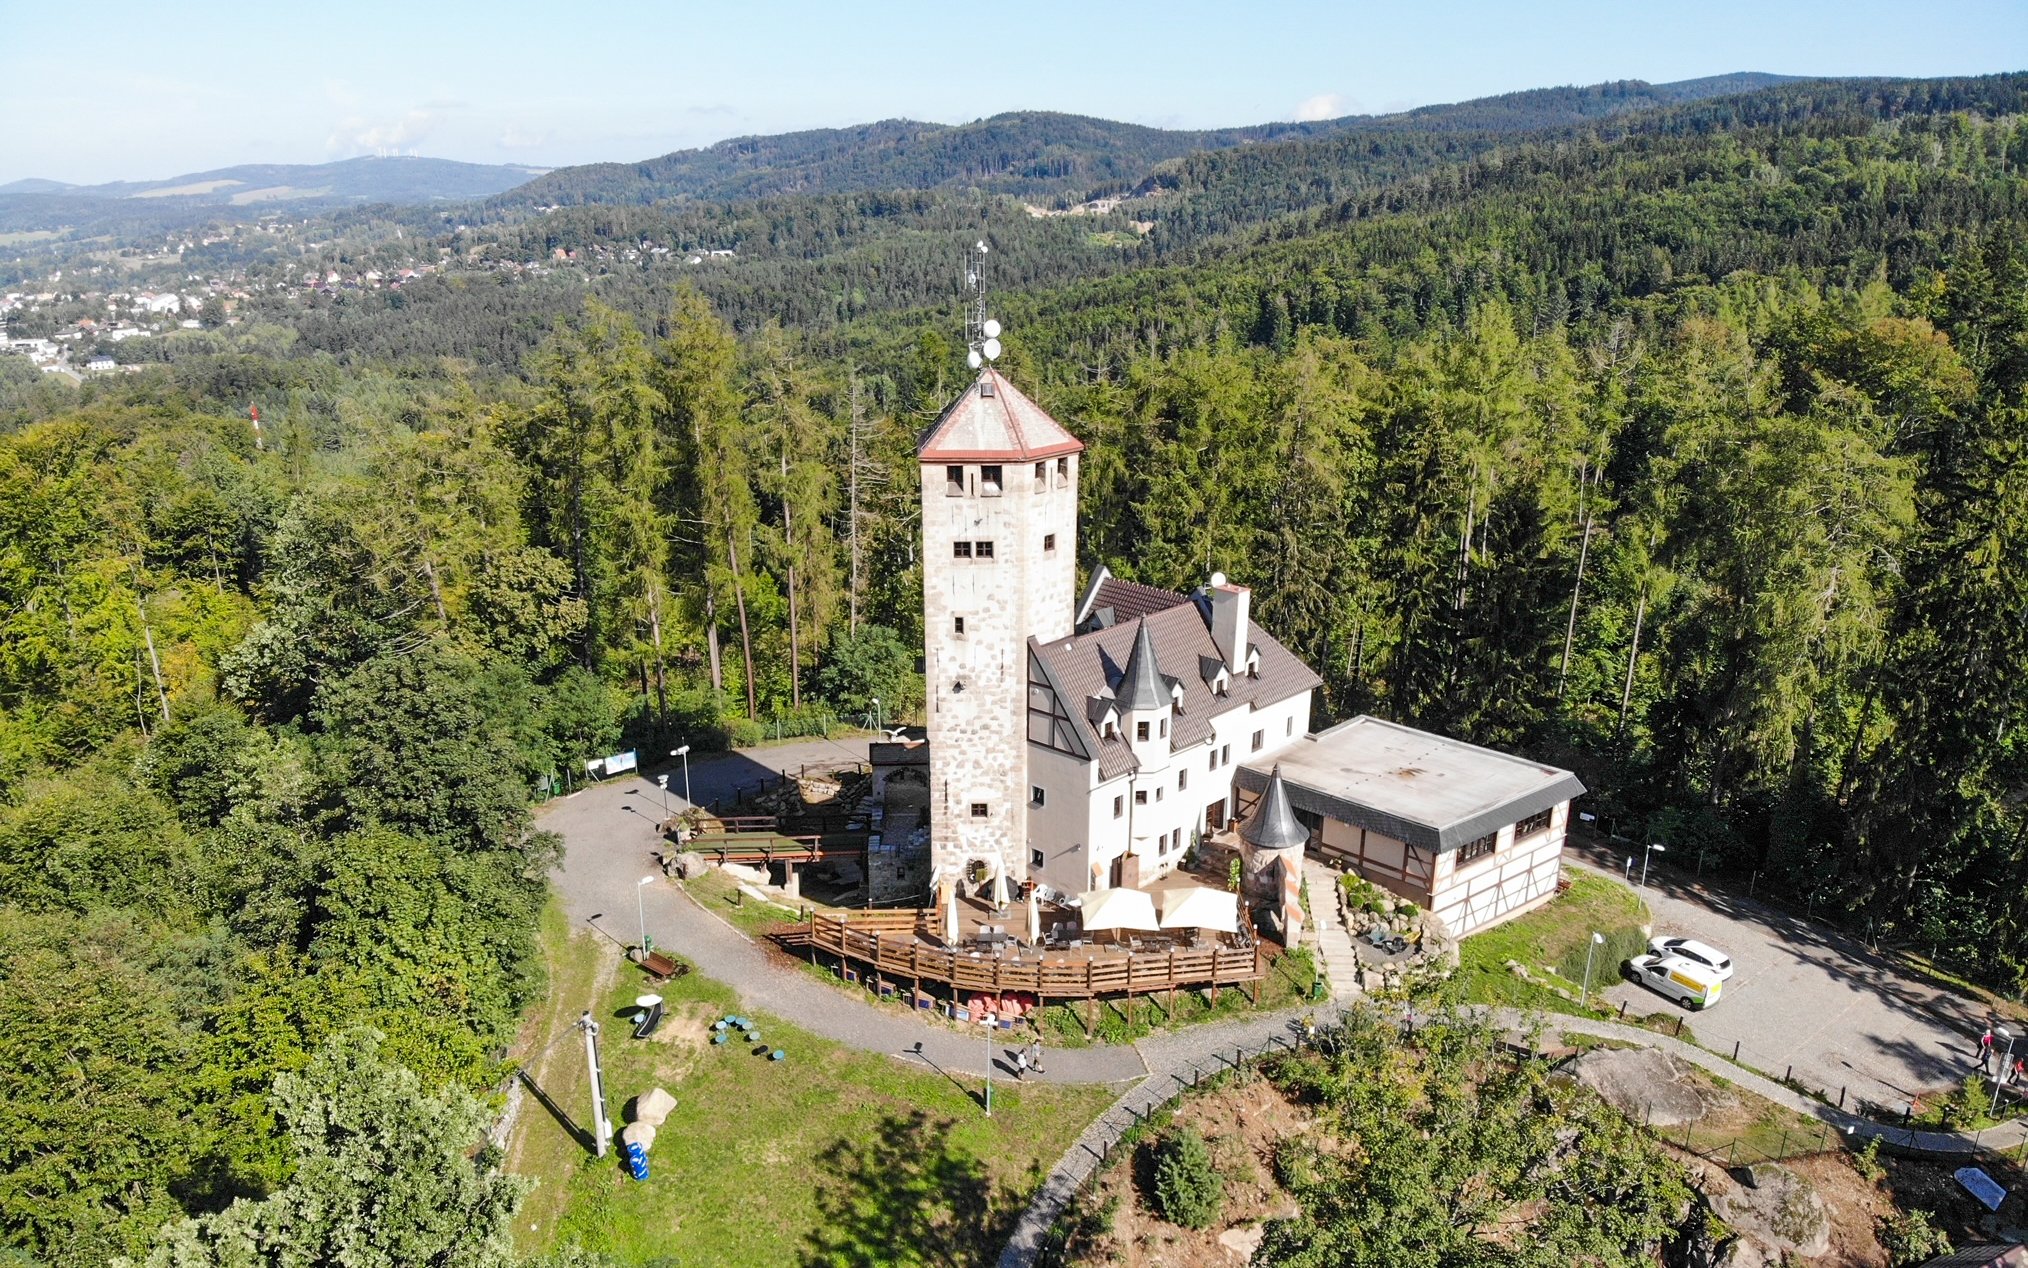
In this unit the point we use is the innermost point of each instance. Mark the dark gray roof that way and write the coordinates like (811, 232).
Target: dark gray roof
(1090, 665)
(1141, 685)
(1273, 825)
(1110, 601)
(1424, 789)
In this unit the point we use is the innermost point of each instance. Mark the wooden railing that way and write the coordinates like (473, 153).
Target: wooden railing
(888, 943)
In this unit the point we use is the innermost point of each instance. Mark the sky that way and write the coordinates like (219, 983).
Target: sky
(127, 90)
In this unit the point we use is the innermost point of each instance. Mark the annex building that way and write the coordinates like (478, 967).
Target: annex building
(1083, 740)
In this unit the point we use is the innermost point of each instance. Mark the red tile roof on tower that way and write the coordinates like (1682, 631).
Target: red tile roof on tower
(996, 423)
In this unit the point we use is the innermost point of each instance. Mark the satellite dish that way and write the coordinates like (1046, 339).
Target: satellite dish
(973, 359)
(992, 328)
(992, 350)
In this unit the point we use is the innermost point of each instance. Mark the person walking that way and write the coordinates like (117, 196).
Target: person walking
(1021, 1063)
(1986, 1049)
(1035, 1055)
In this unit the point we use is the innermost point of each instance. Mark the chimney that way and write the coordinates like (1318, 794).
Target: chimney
(1229, 604)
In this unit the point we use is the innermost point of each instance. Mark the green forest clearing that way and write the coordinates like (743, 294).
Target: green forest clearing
(829, 1153)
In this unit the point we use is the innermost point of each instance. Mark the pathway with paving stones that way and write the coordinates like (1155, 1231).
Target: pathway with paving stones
(1334, 941)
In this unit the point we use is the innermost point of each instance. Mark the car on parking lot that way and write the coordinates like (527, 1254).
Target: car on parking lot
(1688, 982)
(1691, 949)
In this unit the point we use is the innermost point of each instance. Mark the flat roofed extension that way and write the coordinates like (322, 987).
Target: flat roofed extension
(1416, 787)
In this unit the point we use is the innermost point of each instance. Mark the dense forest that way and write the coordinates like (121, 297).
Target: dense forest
(1683, 446)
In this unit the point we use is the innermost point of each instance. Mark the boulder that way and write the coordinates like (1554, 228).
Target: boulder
(1242, 1242)
(653, 1106)
(1647, 1085)
(642, 1134)
(690, 865)
(1780, 1210)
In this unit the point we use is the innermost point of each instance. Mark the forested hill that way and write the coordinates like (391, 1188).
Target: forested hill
(243, 192)
(1038, 154)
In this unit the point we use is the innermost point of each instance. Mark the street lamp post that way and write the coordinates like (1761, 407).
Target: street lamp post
(662, 782)
(1597, 941)
(991, 1026)
(877, 718)
(684, 753)
(1654, 847)
(641, 910)
(2006, 1063)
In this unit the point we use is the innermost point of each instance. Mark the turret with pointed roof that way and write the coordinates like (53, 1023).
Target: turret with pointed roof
(1141, 684)
(1273, 824)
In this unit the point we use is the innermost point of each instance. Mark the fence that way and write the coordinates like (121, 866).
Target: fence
(1078, 1175)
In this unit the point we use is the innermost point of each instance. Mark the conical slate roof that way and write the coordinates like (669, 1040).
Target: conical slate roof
(994, 422)
(1273, 824)
(1141, 684)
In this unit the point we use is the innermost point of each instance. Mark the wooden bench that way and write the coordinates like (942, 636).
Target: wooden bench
(659, 966)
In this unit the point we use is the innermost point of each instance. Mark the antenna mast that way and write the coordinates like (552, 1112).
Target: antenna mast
(982, 333)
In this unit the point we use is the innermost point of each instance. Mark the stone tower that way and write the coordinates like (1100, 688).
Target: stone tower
(999, 528)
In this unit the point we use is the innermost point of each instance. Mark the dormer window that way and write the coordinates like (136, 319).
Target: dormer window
(989, 481)
(1253, 662)
(954, 482)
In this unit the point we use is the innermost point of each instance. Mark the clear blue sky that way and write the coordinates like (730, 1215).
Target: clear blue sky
(129, 89)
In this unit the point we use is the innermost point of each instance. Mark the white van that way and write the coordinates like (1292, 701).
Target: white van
(1686, 981)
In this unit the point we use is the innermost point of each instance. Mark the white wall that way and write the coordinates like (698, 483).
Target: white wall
(1516, 877)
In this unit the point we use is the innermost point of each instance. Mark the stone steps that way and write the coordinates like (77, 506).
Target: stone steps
(1333, 942)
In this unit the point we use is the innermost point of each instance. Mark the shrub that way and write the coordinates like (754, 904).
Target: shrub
(1866, 1160)
(1187, 1187)
(1912, 1237)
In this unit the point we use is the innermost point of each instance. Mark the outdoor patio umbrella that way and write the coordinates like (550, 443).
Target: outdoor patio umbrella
(1034, 916)
(1199, 907)
(1118, 909)
(950, 889)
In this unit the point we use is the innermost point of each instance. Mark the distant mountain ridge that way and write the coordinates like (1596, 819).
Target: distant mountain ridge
(1043, 154)
(366, 179)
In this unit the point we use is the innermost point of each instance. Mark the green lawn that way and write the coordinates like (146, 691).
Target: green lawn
(1551, 942)
(831, 1156)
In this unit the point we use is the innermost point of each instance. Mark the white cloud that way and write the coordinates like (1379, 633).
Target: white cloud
(516, 137)
(1325, 105)
(355, 134)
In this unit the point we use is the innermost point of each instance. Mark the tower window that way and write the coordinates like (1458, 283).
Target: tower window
(961, 550)
(1141, 731)
(1035, 858)
(1049, 543)
(1035, 795)
(954, 482)
(989, 481)
(1063, 471)
(1289, 729)
(984, 550)
(1225, 756)
(958, 626)
(978, 810)
(1165, 728)
(1214, 759)
(1041, 476)
(1140, 796)
(1158, 792)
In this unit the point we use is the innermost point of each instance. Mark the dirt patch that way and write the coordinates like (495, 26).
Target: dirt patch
(1242, 1122)
(1650, 1086)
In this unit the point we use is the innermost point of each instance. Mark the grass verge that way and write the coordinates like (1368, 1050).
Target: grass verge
(830, 1155)
(1550, 943)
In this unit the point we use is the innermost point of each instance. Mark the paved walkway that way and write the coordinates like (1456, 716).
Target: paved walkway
(609, 839)
(1334, 941)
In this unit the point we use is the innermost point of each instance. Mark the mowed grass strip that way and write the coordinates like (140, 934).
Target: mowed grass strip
(832, 1155)
(1550, 942)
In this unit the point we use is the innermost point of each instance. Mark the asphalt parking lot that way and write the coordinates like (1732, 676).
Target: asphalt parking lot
(1806, 999)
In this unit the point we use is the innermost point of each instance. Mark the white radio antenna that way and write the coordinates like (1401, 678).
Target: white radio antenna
(982, 333)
